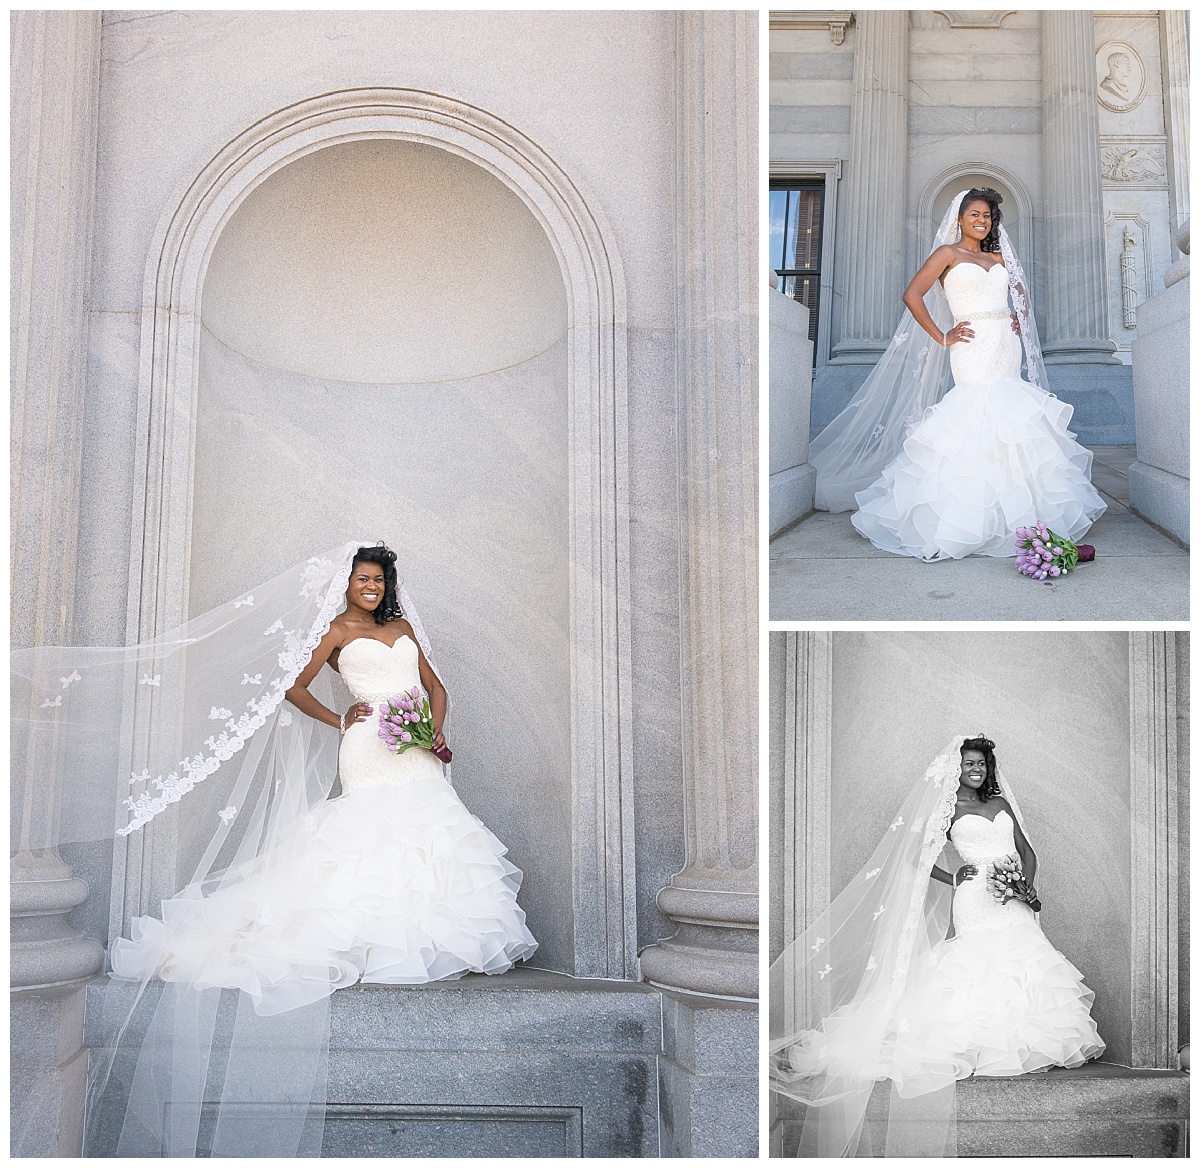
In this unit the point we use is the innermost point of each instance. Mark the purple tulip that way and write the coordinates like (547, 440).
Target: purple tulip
(1054, 571)
(1058, 551)
(405, 737)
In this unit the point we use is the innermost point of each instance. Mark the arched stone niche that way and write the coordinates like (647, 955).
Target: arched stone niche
(542, 336)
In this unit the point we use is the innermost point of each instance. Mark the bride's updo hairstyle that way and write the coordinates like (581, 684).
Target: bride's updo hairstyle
(389, 607)
(991, 786)
(991, 241)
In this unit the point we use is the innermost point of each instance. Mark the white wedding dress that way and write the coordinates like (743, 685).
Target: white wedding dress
(997, 998)
(993, 455)
(395, 881)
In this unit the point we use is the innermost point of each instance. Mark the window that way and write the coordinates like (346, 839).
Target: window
(796, 207)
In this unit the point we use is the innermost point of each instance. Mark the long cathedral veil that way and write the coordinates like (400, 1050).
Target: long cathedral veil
(839, 993)
(913, 374)
(182, 750)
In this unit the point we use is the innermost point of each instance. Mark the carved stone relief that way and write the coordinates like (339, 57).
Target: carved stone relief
(1133, 163)
(969, 19)
(1120, 76)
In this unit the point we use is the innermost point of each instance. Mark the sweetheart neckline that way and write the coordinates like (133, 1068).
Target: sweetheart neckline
(377, 641)
(970, 264)
(974, 815)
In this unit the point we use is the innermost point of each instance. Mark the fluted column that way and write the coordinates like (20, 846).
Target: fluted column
(1173, 46)
(801, 673)
(1154, 779)
(1076, 317)
(871, 252)
(714, 899)
(55, 73)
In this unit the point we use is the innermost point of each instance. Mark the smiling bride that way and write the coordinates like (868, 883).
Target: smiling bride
(924, 975)
(939, 473)
(393, 882)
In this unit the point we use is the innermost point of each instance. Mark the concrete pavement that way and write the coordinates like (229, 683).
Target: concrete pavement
(822, 569)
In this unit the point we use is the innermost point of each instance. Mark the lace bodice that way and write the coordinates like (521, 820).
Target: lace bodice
(972, 288)
(980, 296)
(980, 842)
(373, 670)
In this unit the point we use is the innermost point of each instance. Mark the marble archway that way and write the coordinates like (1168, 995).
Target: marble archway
(597, 794)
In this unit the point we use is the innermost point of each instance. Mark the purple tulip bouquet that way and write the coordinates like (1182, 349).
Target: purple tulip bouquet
(1006, 880)
(406, 721)
(1042, 554)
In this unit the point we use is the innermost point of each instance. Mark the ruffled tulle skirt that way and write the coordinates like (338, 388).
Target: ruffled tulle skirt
(992, 456)
(995, 1002)
(395, 883)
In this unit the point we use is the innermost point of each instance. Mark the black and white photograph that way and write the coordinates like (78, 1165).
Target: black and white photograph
(979, 893)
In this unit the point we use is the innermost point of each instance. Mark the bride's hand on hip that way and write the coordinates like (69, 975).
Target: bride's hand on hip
(359, 712)
(966, 871)
(1016, 324)
(960, 334)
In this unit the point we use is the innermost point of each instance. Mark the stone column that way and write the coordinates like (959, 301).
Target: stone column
(801, 678)
(55, 92)
(1173, 48)
(708, 1081)
(871, 273)
(1072, 228)
(714, 899)
(1154, 842)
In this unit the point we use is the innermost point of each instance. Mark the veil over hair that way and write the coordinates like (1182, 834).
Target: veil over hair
(912, 376)
(181, 750)
(839, 993)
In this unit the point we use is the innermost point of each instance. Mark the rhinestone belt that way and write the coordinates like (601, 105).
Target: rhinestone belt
(991, 314)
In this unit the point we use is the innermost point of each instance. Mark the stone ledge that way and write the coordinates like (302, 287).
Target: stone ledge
(1097, 1110)
(528, 1063)
(526, 1008)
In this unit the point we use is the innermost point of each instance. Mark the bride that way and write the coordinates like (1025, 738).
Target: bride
(393, 882)
(942, 479)
(293, 894)
(898, 981)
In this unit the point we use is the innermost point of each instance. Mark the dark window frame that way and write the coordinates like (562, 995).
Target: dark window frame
(802, 283)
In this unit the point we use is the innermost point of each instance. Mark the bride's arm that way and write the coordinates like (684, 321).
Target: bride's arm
(936, 873)
(1028, 859)
(914, 297)
(299, 696)
(433, 687)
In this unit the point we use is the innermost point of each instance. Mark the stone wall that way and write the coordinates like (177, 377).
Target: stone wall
(158, 69)
(792, 480)
(1160, 480)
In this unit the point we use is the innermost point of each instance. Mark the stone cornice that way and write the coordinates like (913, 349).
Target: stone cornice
(835, 22)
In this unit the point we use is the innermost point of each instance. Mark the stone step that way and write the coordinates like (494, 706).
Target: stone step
(528, 1064)
(1097, 1110)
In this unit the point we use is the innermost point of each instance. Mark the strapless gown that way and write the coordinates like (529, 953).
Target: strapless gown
(993, 455)
(997, 998)
(395, 881)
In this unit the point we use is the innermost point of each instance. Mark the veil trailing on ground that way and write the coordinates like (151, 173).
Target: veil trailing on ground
(182, 750)
(840, 992)
(911, 376)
